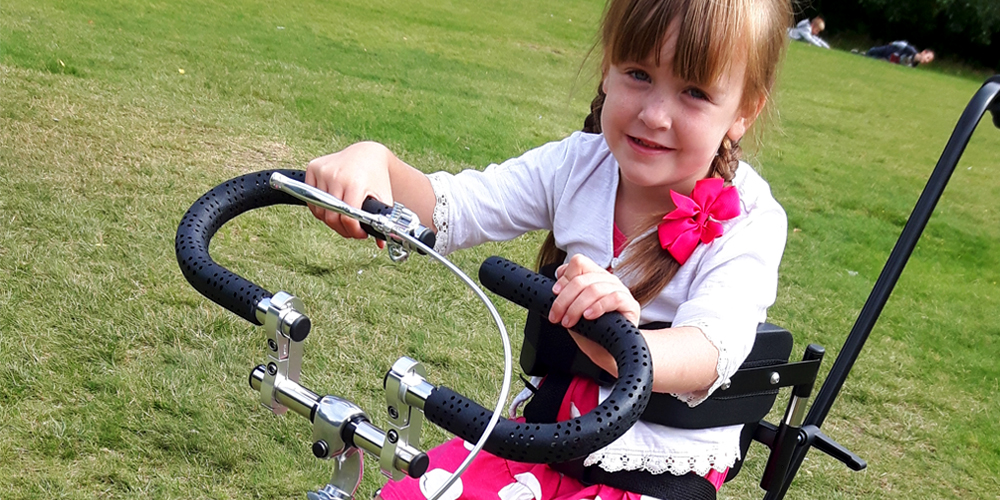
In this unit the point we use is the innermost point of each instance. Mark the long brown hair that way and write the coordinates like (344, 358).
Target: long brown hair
(712, 34)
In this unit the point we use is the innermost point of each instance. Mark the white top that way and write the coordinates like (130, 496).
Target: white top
(724, 288)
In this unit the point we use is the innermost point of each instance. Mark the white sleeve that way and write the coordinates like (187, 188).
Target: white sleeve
(733, 287)
(501, 202)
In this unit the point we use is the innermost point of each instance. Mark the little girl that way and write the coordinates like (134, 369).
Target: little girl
(658, 217)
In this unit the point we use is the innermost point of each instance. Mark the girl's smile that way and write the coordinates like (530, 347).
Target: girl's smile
(647, 147)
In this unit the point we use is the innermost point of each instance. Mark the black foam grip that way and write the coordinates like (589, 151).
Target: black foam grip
(561, 441)
(205, 217)
(373, 206)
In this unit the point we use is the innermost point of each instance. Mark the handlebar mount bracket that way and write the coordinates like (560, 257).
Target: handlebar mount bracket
(284, 355)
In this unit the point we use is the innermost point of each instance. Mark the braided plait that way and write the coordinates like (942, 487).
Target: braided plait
(725, 162)
(592, 124)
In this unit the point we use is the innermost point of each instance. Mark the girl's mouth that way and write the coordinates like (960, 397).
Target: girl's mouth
(647, 145)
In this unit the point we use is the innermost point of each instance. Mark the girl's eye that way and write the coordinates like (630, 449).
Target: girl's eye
(698, 94)
(638, 74)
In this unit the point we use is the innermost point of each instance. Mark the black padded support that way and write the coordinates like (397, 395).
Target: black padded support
(205, 217)
(563, 441)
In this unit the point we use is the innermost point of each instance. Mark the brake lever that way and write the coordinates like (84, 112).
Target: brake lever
(388, 224)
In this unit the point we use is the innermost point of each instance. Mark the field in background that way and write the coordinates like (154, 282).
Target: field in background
(118, 380)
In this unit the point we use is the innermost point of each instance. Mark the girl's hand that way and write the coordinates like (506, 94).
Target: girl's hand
(586, 290)
(360, 171)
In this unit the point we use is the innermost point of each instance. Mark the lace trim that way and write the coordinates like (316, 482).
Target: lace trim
(722, 367)
(440, 215)
(675, 464)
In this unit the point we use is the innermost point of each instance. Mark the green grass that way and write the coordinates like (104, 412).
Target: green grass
(117, 380)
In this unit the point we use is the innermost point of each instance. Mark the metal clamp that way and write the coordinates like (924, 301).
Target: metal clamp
(400, 220)
(284, 356)
(406, 391)
(333, 416)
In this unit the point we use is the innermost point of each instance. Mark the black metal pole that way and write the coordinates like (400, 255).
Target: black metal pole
(985, 99)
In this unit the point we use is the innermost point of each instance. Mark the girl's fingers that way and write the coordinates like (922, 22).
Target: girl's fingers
(596, 300)
(311, 180)
(355, 198)
(334, 174)
(591, 296)
(585, 290)
(331, 218)
(618, 301)
(578, 265)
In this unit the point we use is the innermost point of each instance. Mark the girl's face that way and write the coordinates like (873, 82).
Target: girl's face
(663, 130)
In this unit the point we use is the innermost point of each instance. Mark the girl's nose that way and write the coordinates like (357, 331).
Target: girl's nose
(655, 112)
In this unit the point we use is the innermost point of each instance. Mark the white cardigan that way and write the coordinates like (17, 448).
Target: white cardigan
(724, 288)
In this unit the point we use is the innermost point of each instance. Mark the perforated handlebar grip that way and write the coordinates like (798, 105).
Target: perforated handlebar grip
(557, 442)
(222, 204)
(205, 217)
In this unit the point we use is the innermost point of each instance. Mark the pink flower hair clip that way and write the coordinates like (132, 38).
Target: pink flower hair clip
(698, 218)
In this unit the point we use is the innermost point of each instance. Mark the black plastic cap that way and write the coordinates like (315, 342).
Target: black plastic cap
(347, 432)
(419, 466)
(299, 329)
(321, 449)
(813, 351)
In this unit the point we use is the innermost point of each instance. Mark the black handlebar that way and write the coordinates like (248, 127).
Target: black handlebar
(562, 441)
(204, 218)
(536, 443)
(220, 205)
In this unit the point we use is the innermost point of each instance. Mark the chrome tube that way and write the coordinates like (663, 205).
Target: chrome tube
(289, 393)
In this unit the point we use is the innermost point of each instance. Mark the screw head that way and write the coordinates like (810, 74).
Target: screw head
(272, 345)
(393, 412)
(272, 369)
(321, 449)
(775, 378)
(392, 436)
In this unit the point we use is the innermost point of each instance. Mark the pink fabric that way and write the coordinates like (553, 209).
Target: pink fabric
(696, 219)
(619, 240)
(717, 478)
(491, 478)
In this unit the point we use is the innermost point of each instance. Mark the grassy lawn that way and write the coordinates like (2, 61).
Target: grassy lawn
(118, 380)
